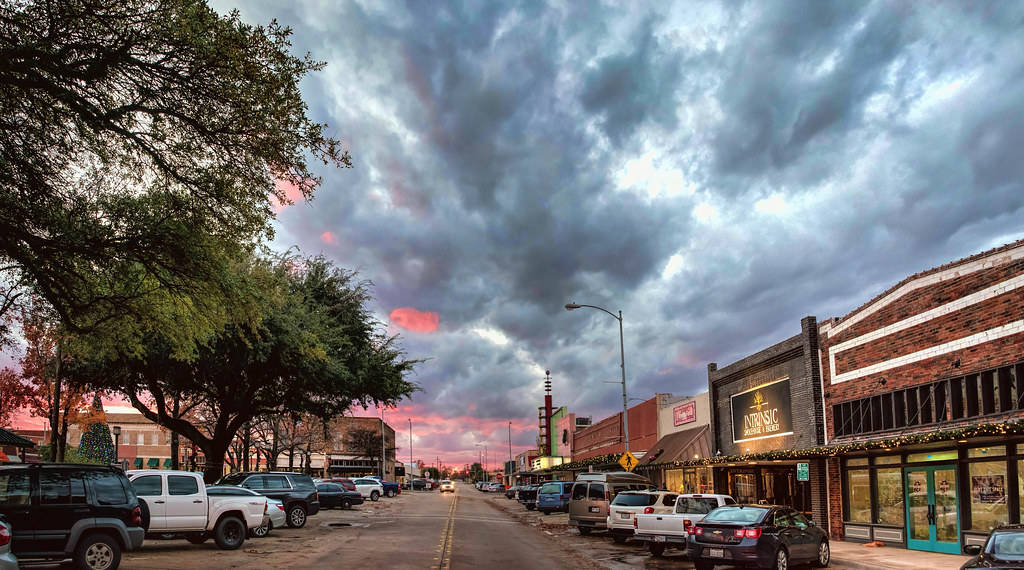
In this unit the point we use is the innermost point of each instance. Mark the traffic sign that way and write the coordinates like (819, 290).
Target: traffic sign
(803, 471)
(627, 461)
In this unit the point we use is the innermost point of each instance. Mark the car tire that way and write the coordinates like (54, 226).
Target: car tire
(781, 561)
(229, 533)
(296, 516)
(703, 566)
(197, 537)
(584, 530)
(98, 552)
(530, 506)
(374, 496)
(824, 555)
(390, 493)
(545, 511)
(261, 531)
(144, 511)
(346, 504)
(621, 539)
(656, 549)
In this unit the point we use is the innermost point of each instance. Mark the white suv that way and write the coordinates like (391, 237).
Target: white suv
(447, 485)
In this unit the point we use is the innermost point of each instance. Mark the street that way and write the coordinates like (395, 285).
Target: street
(416, 530)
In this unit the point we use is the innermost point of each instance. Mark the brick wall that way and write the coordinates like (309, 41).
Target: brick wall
(605, 436)
(835, 499)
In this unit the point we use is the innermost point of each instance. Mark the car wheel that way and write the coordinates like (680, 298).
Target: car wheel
(230, 533)
(196, 537)
(261, 531)
(530, 506)
(297, 516)
(390, 493)
(545, 511)
(98, 552)
(346, 504)
(584, 530)
(703, 566)
(824, 555)
(656, 549)
(620, 539)
(144, 511)
(374, 496)
(781, 560)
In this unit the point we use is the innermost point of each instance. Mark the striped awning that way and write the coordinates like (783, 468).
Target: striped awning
(138, 462)
(167, 463)
(153, 463)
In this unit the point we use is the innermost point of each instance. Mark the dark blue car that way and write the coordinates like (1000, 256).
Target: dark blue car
(554, 496)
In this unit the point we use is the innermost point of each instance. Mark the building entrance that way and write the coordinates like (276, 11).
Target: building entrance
(932, 517)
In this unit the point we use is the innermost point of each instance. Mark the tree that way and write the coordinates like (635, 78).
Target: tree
(476, 473)
(97, 446)
(144, 141)
(432, 473)
(14, 395)
(315, 351)
(364, 442)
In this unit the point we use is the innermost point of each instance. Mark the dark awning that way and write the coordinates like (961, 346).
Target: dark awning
(11, 438)
(693, 443)
(167, 463)
(138, 462)
(153, 463)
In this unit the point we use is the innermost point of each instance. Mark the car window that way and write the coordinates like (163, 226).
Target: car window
(275, 482)
(328, 487)
(234, 479)
(551, 489)
(596, 491)
(800, 520)
(669, 500)
(148, 486)
(782, 518)
(579, 491)
(1007, 546)
(696, 505)
(55, 489)
(729, 501)
(629, 499)
(254, 482)
(744, 515)
(14, 488)
(182, 485)
(302, 482)
(107, 487)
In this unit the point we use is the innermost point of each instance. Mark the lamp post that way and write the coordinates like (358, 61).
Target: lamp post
(622, 355)
(117, 447)
(410, 451)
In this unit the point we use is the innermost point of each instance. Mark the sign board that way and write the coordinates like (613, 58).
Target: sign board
(684, 414)
(762, 412)
(803, 471)
(627, 461)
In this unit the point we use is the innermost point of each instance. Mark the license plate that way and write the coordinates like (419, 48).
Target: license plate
(624, 515)
(659, 538)
(595, 509)
(716, 553)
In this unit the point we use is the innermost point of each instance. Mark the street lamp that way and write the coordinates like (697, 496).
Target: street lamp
(117, 438)
(622, 354)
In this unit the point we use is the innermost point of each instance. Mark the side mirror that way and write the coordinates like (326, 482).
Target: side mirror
(810, 523)
(972, 549)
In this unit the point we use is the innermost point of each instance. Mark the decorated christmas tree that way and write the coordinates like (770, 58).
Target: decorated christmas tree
(97, 446)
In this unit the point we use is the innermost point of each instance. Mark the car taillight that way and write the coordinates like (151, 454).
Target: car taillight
(738, 533)
(608, 495)
(280, 506)
(690, 529)
(648, 510)
(635, 523)
(5, 535)
(137, 516)
(687, 524)
(752, 533)
(698, 530)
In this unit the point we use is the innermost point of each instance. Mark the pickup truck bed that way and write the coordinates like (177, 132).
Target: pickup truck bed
(661, 530)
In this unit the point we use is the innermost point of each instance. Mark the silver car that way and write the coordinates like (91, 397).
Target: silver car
(8, 561)
(275, 508)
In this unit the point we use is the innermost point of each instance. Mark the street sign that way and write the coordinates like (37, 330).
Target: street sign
(803, 471)
(627, 461)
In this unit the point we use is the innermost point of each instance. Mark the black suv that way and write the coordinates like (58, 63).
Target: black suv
(296, 491)
(88, 513)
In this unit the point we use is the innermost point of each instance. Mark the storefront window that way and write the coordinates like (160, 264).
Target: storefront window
(988, 495)
(674, 480)
(858, 487)
(857, 461)
(889, 489)
(743, 487)
(697, 480)
(932, 456)
(888, 460)
(995, 451)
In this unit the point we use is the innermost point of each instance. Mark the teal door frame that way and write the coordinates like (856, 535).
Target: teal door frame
(933, 544)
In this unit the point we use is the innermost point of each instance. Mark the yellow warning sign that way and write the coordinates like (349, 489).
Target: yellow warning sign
(627, 461)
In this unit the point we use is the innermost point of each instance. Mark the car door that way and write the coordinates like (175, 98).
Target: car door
(808, 537)
(276, 487)
(150, 488)
(187, 507)
(789, 535)
(62, 503)
(16, 506)
(667, 504)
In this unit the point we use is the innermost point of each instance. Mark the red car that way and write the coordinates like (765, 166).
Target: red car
(345, 482)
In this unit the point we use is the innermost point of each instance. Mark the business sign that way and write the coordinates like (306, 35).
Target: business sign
(803, 471)
(762, 412)
(684, 414)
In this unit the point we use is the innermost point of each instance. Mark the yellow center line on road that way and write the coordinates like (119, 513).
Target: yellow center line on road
(443, 560)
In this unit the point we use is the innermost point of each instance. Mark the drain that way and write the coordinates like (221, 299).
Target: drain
(339, 524)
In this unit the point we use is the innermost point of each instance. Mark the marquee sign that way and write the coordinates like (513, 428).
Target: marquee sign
(684, 414)
(762, 412)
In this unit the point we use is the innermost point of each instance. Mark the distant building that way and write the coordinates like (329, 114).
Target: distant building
(606, 436)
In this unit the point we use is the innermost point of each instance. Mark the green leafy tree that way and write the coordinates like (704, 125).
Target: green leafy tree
(476, 473)
(315, 350)
(144, 142)
(97, 445)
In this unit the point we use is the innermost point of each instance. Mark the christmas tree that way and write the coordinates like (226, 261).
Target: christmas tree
(97, 446)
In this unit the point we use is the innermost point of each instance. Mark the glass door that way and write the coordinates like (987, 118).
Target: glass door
(932, 520)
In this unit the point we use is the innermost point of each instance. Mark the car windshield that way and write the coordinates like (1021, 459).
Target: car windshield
(694, 505)
(446, 482)
(744, 515)
(1008, 546)
(634, 500)
(551, 489)
(232, 479)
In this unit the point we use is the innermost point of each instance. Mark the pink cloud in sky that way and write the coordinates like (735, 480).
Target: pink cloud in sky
(413, 320)
(291, 192)
(329, 238)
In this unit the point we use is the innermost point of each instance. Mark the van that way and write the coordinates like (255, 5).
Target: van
(554, 496)
(591, 493)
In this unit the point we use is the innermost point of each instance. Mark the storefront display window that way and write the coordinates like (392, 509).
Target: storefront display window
(743, 487)
(888, 460)
(950, 455)
(858, 486)
(995, 451)
(857, 461)
(697, 480)
(889, 489)
(988, 495)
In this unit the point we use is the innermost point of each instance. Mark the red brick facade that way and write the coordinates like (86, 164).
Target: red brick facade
(605, 436)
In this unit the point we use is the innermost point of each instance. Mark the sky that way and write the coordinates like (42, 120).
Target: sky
(714, 170)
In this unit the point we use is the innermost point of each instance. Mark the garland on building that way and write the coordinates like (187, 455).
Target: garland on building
(1013, 427)
(584, 464)
(97, 446)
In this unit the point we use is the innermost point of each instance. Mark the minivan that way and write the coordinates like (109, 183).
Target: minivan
(554, 496)
(591, 493)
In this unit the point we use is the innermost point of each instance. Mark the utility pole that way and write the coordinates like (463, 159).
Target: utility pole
(410, 449)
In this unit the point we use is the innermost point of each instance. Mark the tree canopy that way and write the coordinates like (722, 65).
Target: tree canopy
(143, 142)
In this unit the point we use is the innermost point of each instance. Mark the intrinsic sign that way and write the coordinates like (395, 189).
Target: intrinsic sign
(627, 461)
(762, 412)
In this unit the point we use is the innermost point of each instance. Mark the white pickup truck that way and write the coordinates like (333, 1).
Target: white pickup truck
(176, 502)
(659, 531)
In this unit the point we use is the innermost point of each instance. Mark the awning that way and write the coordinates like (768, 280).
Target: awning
(153, 463)
(11, 438)
(167, 463)
(693, 443)
(138, 462)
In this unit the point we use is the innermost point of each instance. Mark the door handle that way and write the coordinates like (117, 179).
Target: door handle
(158, 502)
(198, 501)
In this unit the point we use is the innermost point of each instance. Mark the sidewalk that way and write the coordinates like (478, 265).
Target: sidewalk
(856, 555)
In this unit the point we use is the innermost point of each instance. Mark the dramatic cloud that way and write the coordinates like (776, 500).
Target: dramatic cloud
(716, 170)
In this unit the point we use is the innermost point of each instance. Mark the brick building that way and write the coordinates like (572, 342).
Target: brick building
(606, 436)
(924, 388)
(771, 401)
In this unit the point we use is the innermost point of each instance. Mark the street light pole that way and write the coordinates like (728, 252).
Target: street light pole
(117, 449)
(622, 355)
(410, 451)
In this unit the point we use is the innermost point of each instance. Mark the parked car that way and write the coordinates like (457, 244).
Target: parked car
(496, 487)
(510, 493)
(662, 530)
(421, 485)
(295, 490)
(447, 486)
(177, 503)
(88, 513)
(765, 536)
(369, 488)
(275, 508)
(627, 505)
(553, 496)
(391, 489)
(588, 501)
(334, 495)
(8, 561)
(528, 496)
(345, 482)
(1004, 548)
